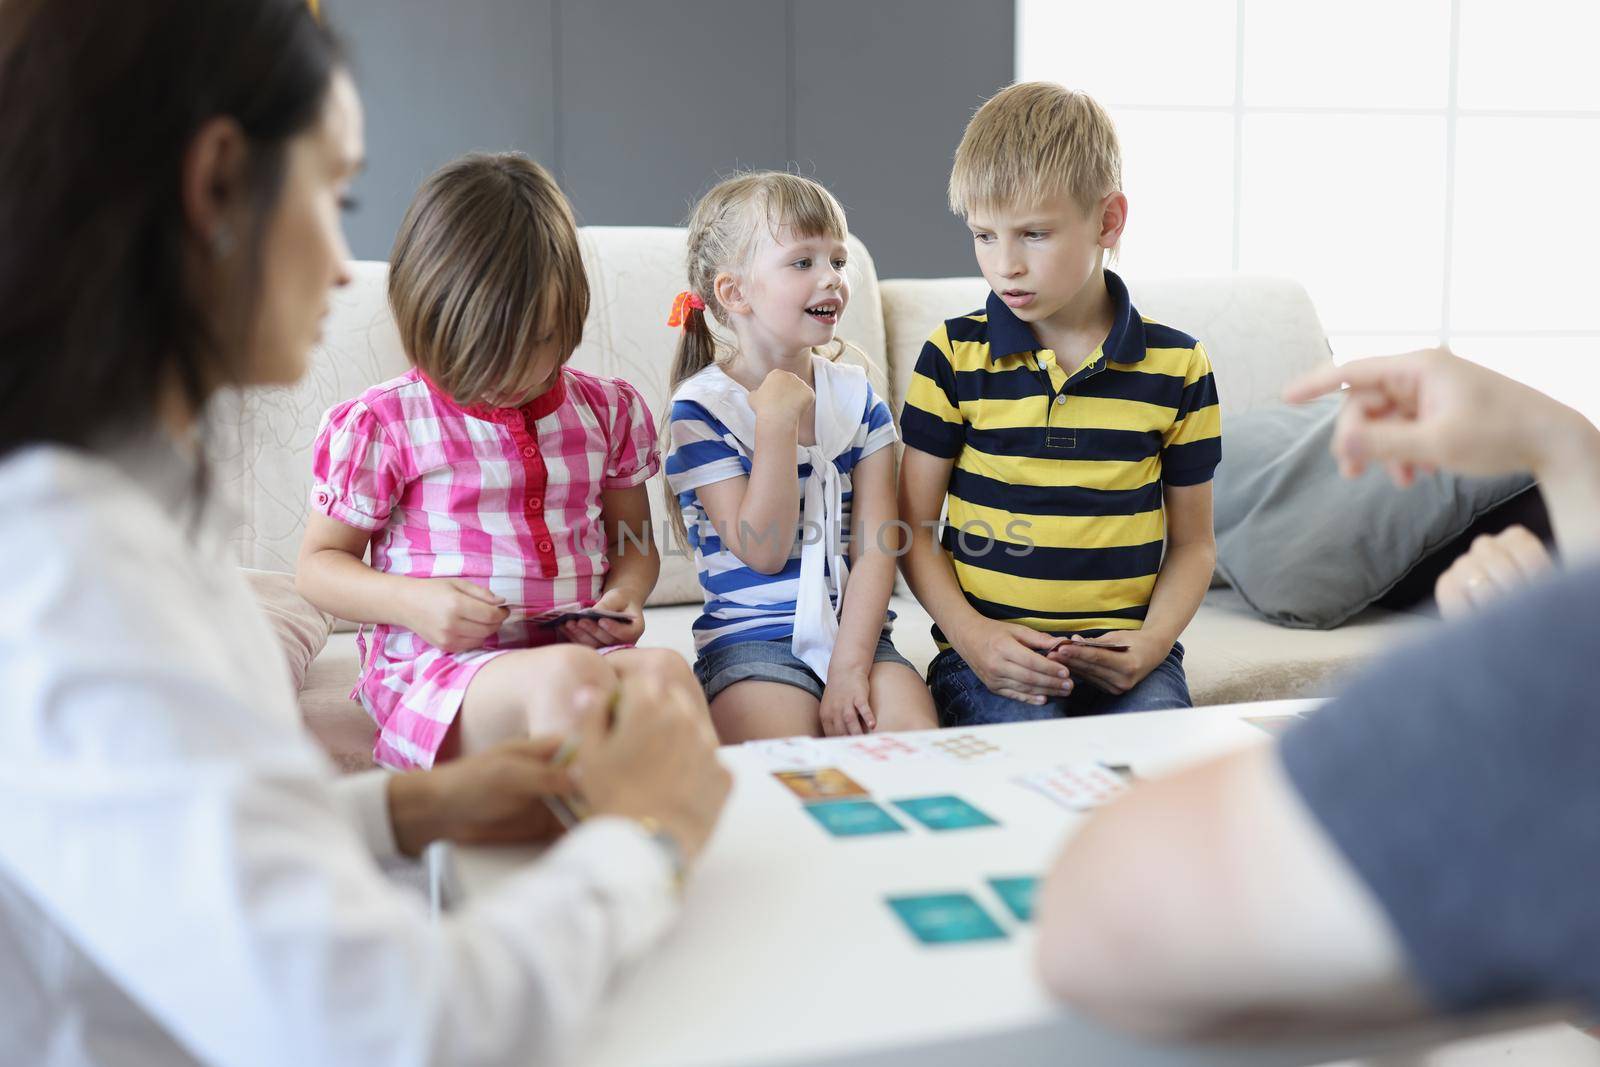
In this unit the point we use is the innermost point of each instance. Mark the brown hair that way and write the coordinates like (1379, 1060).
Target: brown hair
(1031, 141)
(98, 105)
(485, 262)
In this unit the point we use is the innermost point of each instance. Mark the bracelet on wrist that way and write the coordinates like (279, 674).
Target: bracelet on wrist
(669, 845)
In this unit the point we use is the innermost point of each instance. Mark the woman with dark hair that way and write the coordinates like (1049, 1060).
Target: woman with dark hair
(182, 878)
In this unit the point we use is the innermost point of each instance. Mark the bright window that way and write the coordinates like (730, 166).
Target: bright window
(1428, 169)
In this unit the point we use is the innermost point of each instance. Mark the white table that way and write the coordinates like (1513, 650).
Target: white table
(786, 952)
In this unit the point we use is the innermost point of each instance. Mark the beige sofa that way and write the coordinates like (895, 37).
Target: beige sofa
(1260, 332)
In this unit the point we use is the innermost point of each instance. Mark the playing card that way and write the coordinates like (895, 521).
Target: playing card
(882, 748)
(586, 613)
(789, 753)
(853, 818)
(564, 613)
(964, 748)
(1121, 770)
(944, 813)
(1108, 643)
(1275, 725)
(943, 918)
(821, 783)
(522, 613)
(1077, 786)
(1017, 895)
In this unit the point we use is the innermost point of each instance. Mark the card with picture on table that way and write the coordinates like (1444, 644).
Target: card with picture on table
(954, 917)
(799, 753)
(846, 810)
(1080, 786)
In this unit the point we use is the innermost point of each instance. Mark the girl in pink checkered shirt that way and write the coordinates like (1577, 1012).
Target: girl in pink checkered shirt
(491, 482)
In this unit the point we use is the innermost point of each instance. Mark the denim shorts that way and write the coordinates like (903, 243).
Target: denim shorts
(771, 661)
(963, 700)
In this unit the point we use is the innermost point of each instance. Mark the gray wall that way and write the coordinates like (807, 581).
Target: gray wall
(638, 105)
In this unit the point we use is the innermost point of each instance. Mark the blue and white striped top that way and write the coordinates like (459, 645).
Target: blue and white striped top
(742, 604)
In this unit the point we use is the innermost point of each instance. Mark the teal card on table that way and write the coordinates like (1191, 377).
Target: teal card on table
(1017, 893)
(942, 918)
(852, 818)
(944, 813)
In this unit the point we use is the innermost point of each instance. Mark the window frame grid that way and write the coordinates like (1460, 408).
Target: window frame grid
(1450, 114)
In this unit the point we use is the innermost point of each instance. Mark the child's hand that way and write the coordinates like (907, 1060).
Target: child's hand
(598, 633)
(781, 395)
(1115, 672)
(1492, 567)
(453, 613)
(1009, 659)
(846, 704)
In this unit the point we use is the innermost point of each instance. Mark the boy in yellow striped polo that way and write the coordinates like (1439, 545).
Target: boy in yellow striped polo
(1073, 440)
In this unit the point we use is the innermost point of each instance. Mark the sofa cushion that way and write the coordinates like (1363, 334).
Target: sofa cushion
(1305, 547)
(1233, 656)
(1261, 333)
(301, 629)
(1526, 509)
(340, 725)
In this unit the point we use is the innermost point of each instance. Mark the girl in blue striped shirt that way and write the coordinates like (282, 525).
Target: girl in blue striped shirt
(780, 467)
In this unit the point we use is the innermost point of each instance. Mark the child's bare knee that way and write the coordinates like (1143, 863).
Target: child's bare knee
(662, 664)
(549, 699)
(568, 667)
(485, 723)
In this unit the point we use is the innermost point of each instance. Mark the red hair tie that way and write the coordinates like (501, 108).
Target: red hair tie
(686, 302)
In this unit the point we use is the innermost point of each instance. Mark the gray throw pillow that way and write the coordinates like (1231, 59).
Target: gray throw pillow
(1309, 549)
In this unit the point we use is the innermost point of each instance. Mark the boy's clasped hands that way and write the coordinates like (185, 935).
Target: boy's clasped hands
(1024, 664)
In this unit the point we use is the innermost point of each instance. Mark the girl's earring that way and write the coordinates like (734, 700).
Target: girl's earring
(221, 242)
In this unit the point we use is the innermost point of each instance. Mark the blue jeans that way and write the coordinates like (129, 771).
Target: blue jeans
(963, 700)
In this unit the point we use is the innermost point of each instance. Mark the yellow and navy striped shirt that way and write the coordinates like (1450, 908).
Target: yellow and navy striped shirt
(1055, 514)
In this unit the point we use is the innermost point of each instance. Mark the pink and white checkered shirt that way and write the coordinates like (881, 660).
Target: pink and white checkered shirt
(508, 498)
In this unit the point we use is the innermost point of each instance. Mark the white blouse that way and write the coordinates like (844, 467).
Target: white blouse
(183, 877)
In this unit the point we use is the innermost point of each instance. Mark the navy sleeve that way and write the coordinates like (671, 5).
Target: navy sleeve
(1461, 779)
(1192, 447)
(931, 419)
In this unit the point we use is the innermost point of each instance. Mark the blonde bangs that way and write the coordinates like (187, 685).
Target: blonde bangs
(802, 206)
(1031, 142)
